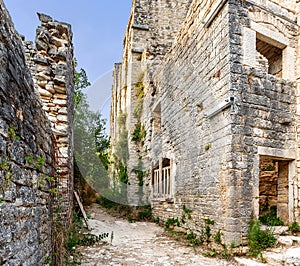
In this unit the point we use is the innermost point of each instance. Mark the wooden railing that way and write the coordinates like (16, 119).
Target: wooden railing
(162, 183)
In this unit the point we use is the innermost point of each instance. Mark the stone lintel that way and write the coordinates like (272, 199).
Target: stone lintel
(137, 51)
(288, 154)
(269, 36)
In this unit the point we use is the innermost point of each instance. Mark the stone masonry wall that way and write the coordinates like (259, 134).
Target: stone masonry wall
(151, 30)
(217, 115)
(264, 122)
(25, 139)
(51, 64)
(217, 98)
(192, 81)
(36, 139)
(297, 83)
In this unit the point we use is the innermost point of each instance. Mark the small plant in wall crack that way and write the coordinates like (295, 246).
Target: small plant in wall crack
(294, 227)
(140, 175)
(12, 133)
(139, 133)
(5, 167)
(269, 167)
(139, 85)
(37, 163)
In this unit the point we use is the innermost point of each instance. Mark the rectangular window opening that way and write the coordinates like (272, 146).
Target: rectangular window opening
(161, 181)
(268, 58)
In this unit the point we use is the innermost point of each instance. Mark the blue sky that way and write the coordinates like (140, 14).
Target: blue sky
(98, 27)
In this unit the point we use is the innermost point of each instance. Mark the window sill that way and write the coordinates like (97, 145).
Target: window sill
(168, 200)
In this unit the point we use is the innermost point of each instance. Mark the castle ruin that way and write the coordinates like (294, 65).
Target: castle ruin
(206, 100)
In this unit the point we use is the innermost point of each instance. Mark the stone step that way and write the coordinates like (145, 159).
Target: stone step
(277, 230)
(289, 257)
(247, 262)
(288, 240)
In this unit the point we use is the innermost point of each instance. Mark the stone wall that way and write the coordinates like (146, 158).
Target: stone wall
(193, 84)
(51, 64)
(216, 101)
(264, 122)
(25, 133)
(151, 29)
(28, 143)
(297, 84)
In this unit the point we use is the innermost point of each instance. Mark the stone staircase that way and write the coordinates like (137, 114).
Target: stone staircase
(286, 252)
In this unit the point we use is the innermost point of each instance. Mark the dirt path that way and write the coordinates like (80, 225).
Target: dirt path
(138, 244)
(146, 244)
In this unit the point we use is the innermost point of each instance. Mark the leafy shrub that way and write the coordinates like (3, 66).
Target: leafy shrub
(139, 133)
(172, 222)
(270, 217)
(294, 227)
(259, 240)
(145, 213)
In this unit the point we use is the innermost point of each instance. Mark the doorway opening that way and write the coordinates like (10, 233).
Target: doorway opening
(274, 190)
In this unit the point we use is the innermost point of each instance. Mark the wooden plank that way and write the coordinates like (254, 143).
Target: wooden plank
(81, 208)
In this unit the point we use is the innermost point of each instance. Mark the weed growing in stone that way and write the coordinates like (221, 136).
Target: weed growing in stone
(139, 133)
(145, 213)
(12, 134)
(171, 222)
(270, 216)
(187, 211)
(269, 167)
(140, 174)
(218, 237)
(294, 227)
(194, 240)
(39, 163)
(30, 159)
(259, 240)
(140, 96)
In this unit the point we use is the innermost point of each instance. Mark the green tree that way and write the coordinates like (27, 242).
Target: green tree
(91, 143)
(80, 82)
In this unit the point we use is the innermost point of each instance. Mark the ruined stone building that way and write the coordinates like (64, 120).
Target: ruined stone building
(206, 103)
(36, 160)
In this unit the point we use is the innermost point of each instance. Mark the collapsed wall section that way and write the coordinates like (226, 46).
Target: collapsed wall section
(51, 63)
(27, 158)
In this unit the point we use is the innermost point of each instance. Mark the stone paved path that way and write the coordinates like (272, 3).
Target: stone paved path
(139, 243)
